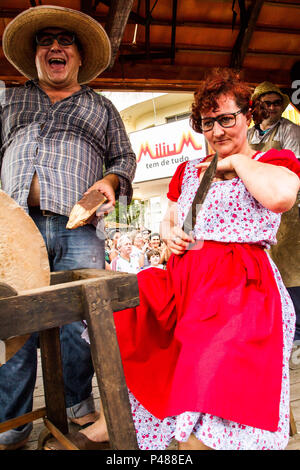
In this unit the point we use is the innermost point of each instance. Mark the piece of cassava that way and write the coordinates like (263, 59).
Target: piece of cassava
(85, 209)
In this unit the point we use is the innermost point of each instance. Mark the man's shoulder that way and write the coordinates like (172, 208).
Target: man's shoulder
(11, 94)
(288, 123)
(102, 100)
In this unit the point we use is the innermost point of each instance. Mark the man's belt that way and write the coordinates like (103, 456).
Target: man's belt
(37, 210)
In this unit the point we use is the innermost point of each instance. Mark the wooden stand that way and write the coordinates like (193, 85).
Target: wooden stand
(87, 294)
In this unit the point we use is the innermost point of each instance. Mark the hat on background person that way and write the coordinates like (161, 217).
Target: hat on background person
(268, 87)
(19, 39)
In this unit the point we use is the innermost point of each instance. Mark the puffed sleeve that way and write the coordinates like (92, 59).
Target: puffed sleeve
(176, 182)
(283, 157)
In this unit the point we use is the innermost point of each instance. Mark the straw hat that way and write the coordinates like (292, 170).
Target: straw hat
(268, 87)
(18, 39)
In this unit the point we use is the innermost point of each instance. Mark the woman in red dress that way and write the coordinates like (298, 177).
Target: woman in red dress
(206, 352)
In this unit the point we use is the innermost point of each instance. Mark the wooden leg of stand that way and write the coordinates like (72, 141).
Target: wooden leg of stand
(108, 367)
(53, 378)
(293, 427)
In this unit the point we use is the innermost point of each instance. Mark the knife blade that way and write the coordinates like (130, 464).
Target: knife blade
(190, 220)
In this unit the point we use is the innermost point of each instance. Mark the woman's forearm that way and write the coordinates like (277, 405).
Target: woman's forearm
(273, 186)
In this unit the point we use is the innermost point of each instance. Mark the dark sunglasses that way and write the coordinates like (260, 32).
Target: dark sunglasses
(274, 103)
(224, 120)
(66, 38)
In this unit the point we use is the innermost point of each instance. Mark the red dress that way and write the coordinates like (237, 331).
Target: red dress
(207, 335)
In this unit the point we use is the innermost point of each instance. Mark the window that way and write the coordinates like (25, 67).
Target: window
(177, 117)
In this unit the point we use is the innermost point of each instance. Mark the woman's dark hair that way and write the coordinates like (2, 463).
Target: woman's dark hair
(219, 81)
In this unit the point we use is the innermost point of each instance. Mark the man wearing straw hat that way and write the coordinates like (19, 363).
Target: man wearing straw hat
(271, 130)
(57, 135)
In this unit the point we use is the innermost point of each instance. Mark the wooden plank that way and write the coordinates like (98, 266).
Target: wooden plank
(241, 45)
(53, 378)
(134, 17)
(161, 77)
(108, 367)
(60, 304)
(24, 419)
(295, 377)
(173, 34)
(147, 29)
(61, 277)
(293, 427)
(59, 435)
(46, 308)
(115, 24)
(294, 443)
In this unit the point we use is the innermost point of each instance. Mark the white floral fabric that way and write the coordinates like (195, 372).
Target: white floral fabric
(229, 213)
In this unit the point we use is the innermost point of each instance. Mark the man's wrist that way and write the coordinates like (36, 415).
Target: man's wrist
(113, 180)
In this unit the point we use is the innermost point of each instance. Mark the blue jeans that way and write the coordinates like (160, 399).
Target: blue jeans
(67, 249)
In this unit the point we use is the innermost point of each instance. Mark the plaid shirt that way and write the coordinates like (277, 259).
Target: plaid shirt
(65, 143)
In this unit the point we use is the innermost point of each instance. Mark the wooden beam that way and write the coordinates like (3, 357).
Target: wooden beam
(24, 419)
(137, 19)
(86, 6)
(53, 378)
(108, 367)
(146, 56)
(173, 35)
(241, 45)
(133, 17)
(147, 28)
(116, 21)
(62, 303)
(164, 78)
(282, 4)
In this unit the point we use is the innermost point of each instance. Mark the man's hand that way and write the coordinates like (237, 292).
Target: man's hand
(107, 186)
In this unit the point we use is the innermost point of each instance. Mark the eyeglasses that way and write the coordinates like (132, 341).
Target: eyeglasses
(224, 120)
(276, 103)
(65, 38)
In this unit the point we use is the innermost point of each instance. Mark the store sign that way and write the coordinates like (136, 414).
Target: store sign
(159, 150)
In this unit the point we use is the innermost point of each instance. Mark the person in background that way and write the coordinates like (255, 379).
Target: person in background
(156, 243)
(146, 235)
(57, 133)
(139, 247)
(154, 256)
(113, 252)
(270, 129)
(125, 261)
(146, 239)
